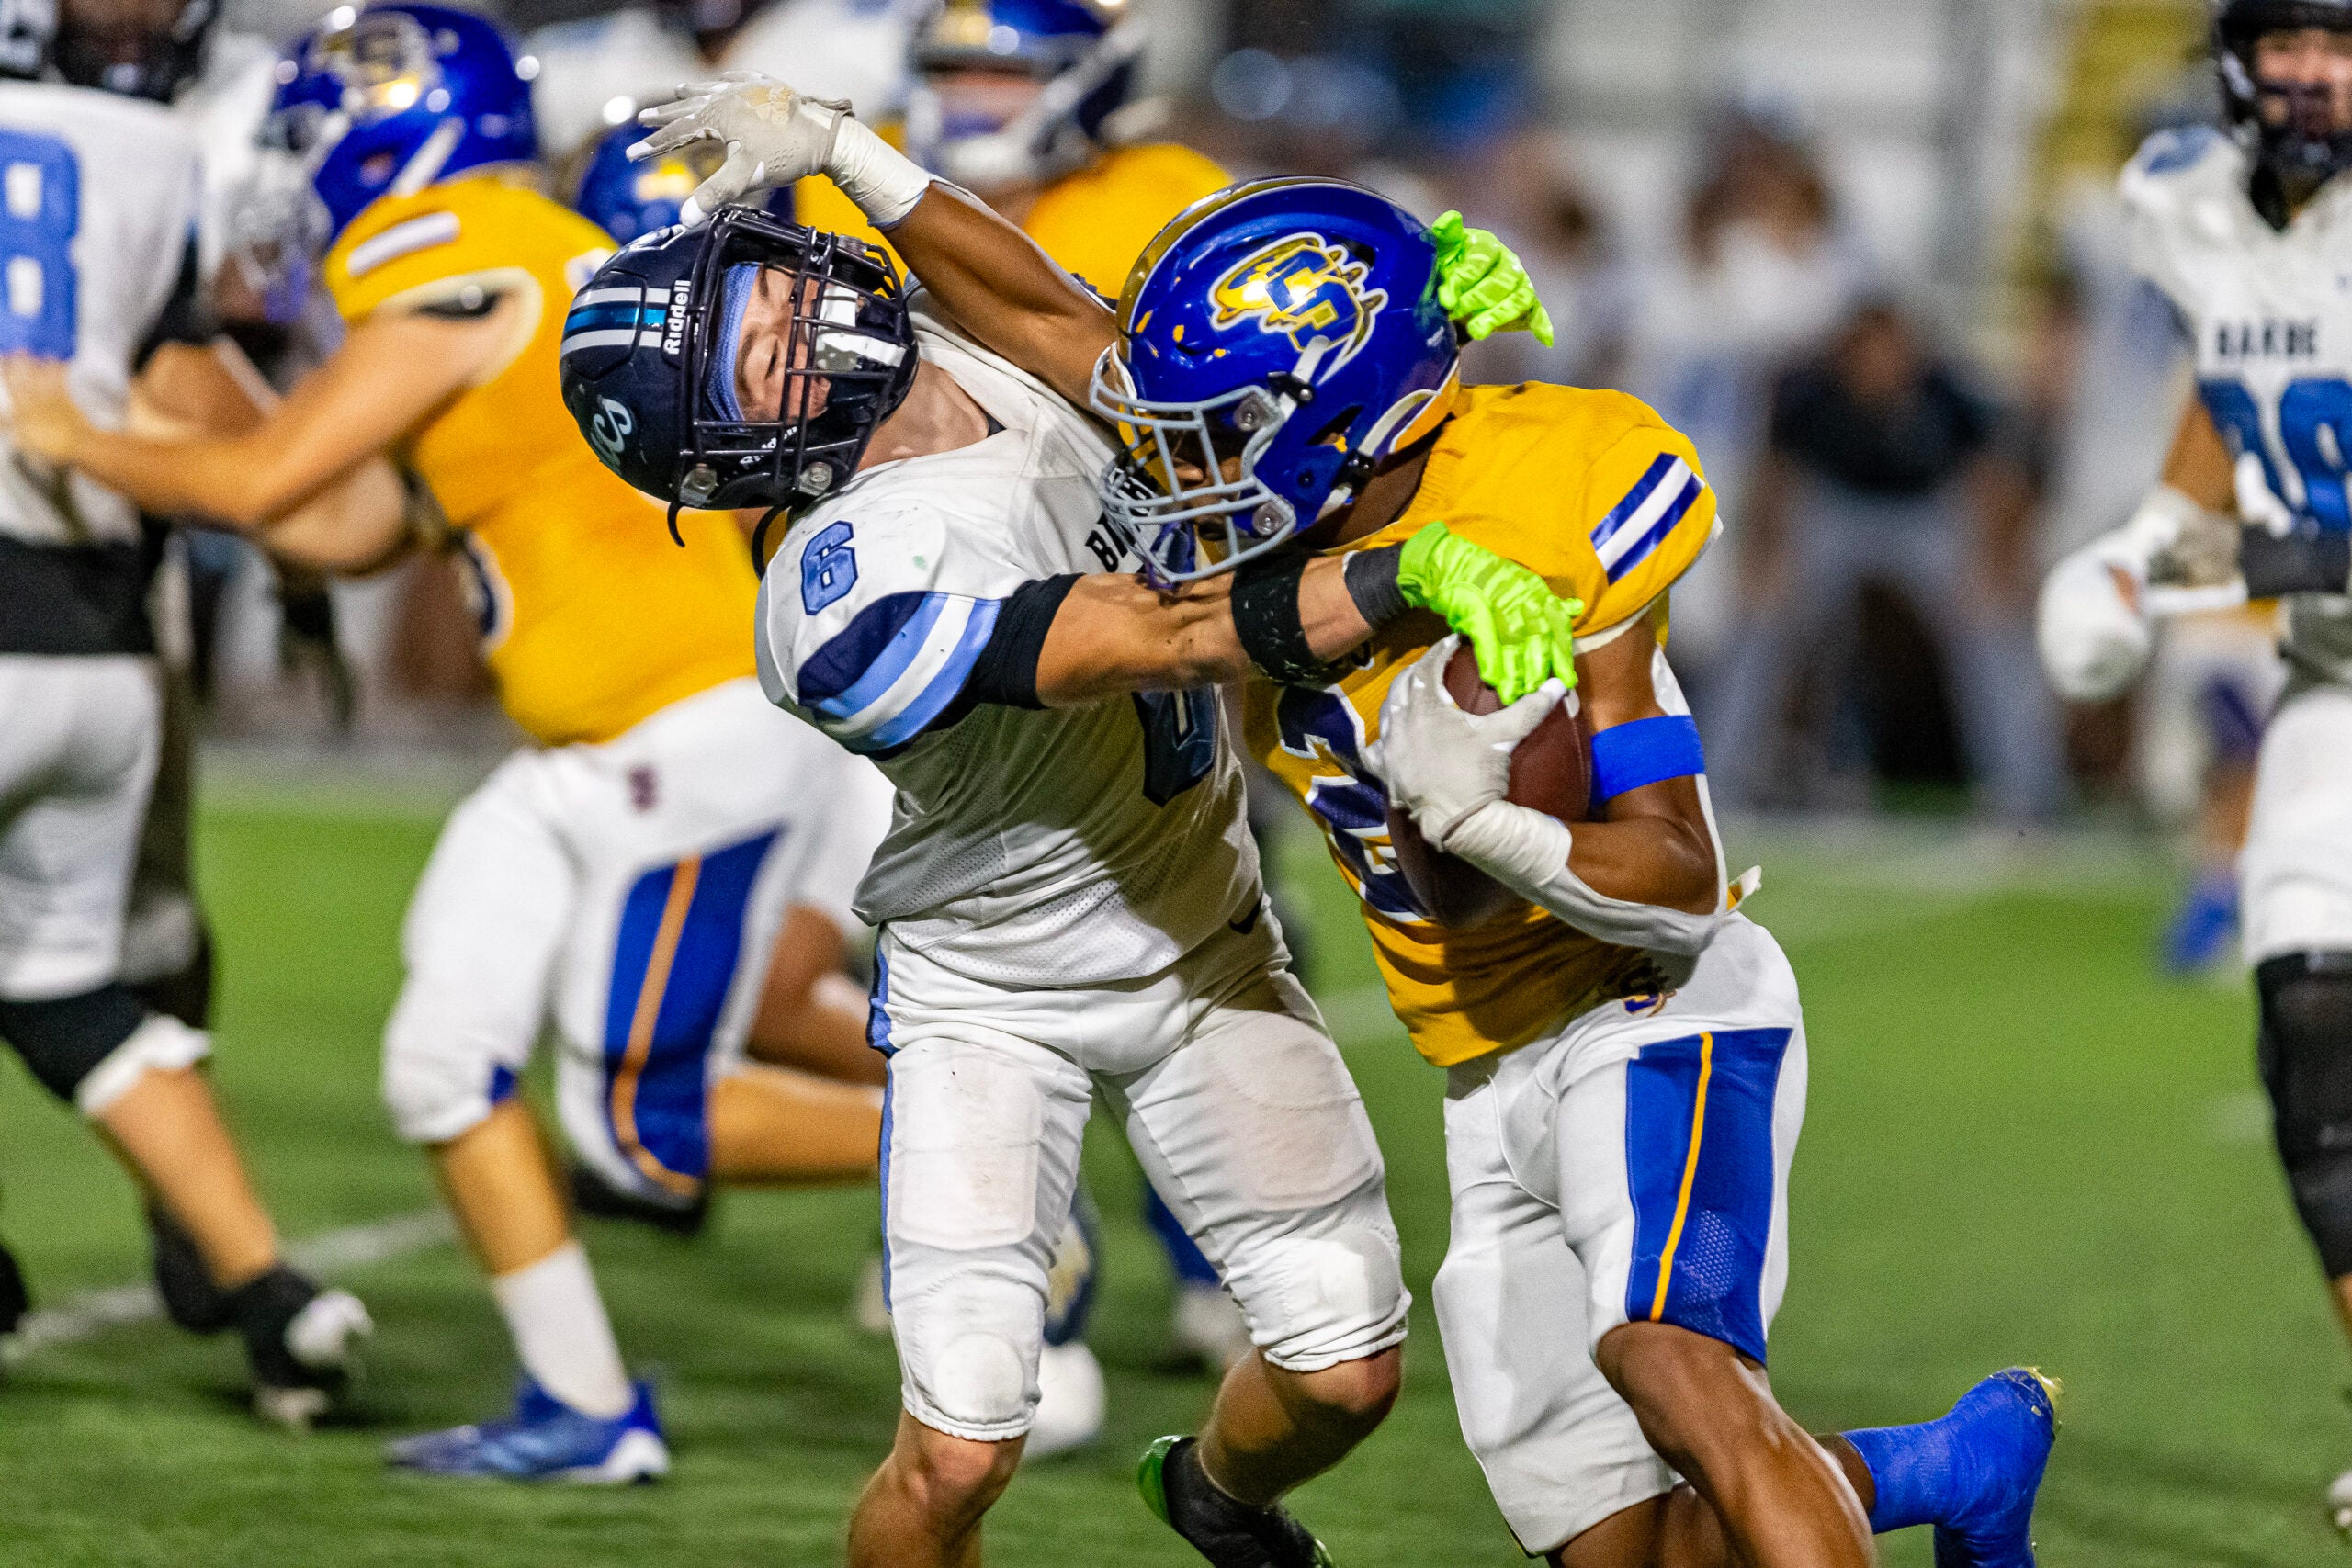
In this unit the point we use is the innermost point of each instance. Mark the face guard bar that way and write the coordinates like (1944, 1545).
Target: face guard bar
(848, 362)
(1188, 529)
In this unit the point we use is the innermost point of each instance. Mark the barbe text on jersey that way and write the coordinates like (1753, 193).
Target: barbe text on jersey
(2270, 338)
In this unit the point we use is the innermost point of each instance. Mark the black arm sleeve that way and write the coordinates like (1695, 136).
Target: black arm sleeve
(2299, 563)
(1006, 672)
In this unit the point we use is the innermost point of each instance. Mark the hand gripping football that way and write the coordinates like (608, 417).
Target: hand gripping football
(1550, 772)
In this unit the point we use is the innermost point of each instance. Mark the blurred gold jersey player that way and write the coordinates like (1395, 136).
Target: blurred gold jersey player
(625, 878)
(1020, 101)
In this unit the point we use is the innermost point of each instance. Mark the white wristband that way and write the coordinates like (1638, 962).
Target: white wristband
(884, 182)
(1528, 853)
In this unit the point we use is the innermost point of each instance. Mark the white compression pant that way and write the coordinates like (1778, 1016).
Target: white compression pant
(77, 757)
(1235, 1101)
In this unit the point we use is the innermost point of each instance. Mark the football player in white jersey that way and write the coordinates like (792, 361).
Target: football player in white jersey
(100, 195)
(1069, 897)
(2247, 231)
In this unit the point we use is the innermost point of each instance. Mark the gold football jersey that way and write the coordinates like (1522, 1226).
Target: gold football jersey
(1094, 222)
(1593, 490)
(590, 618)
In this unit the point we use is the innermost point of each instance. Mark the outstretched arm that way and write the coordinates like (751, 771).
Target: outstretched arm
(390, 376)
(983, 270)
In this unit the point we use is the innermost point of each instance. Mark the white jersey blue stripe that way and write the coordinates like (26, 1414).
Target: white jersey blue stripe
(914, 676)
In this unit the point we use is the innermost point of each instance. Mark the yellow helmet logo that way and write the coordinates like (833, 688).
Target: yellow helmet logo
(1305, 288)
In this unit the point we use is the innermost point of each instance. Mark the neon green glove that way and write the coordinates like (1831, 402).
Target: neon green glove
(1482, 284)
(1522, 632)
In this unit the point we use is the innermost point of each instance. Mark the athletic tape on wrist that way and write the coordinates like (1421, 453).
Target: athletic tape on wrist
(1647, 751)
(1265, 617)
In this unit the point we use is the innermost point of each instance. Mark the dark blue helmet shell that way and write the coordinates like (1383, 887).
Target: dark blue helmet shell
(644, 333)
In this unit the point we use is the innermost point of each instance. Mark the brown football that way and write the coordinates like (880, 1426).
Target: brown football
(1550, 770)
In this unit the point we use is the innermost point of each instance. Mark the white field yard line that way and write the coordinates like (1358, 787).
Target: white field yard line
(90, 1313)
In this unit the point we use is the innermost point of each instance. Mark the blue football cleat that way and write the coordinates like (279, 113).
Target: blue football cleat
(2201, 931)
(2001, 1432)
(546, 1439)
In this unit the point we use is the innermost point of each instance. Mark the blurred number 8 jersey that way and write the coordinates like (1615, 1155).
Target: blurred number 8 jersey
(1609, 505)
(591, 619)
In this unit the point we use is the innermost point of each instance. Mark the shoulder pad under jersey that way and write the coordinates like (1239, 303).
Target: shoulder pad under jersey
(872, 618)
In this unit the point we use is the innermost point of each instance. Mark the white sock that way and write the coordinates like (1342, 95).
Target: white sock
(562, 1334)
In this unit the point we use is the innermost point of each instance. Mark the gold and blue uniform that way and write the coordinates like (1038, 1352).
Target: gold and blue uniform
(1595, 492)
(1094, 222)
(591, 619)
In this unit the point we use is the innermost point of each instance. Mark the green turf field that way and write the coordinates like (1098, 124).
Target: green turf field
(2021, 1147)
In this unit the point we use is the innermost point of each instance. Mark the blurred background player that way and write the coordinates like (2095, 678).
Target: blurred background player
(100, 220)
(2244, 231)
(626, 879)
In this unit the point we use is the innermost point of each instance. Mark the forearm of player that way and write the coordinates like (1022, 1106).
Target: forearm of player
(1115, 635)
(2199, 464)
(1655, 849)
(1011, 295)
(359, 525)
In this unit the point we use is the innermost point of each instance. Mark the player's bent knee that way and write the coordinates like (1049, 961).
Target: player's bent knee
(437, 1091)
(92, 1049)
(2306, 1059)
(1356, 1393)
(969, 1348)
(1338, 1297)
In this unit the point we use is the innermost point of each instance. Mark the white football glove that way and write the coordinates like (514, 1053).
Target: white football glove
(775, 136)
(2094, 642)
(2257, 502)
(1441, 764)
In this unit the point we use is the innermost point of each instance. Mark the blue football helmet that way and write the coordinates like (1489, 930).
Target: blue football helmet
(1290, 325)
(627, 201)
(2307, 142)
(1082, 52)
(390, 98)
(630, 201)
(651, 351)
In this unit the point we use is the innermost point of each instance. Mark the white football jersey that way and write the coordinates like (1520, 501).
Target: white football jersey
(97, 199)
(1078, 846)
(2270, 314)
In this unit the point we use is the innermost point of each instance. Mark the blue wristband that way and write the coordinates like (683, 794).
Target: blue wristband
(1645, 752)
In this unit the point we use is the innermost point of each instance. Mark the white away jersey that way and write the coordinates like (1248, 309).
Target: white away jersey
(98, 198)
(1057, 847)
(2270, 314)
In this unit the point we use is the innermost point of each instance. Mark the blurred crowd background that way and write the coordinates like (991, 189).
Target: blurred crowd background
(1866, 253)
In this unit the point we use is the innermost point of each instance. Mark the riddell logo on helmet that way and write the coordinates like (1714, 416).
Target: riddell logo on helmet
(1305, 288)
(674, 330)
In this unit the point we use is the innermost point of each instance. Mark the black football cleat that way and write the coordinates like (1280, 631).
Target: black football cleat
(592, 1194)
(1227, 1531)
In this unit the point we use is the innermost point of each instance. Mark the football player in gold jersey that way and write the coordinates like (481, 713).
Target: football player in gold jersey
(1625, 1051)
(626, 878)
(1021, 102)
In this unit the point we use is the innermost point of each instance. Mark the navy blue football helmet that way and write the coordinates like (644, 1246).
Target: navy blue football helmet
(1082, 52)
(2307, 141)
(1292, 324)
(651, 351)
